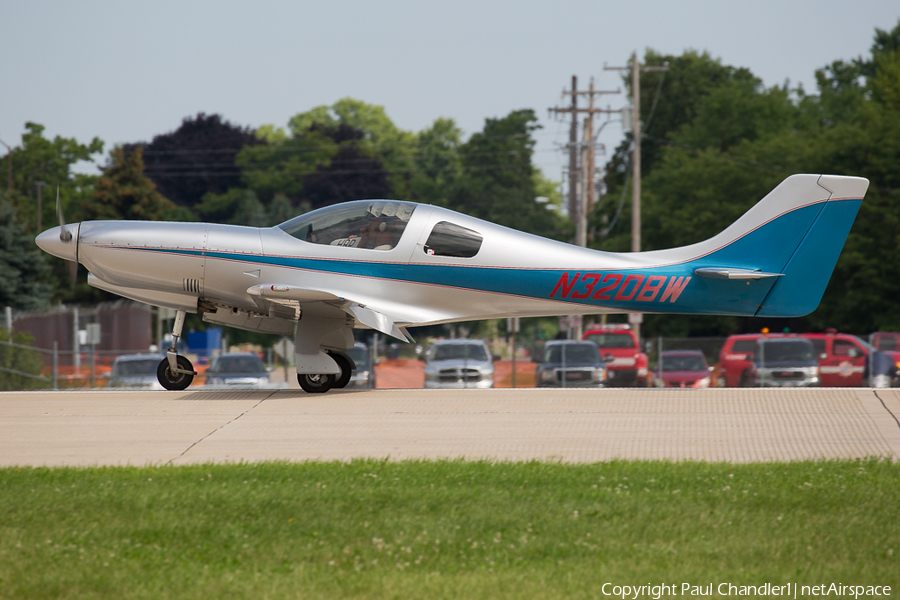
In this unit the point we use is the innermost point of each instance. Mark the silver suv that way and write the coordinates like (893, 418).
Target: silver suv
(136, 371)
(459, 364)
(785, 362)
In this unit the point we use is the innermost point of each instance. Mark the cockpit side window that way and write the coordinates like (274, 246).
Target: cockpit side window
(376, 225)
(449, 239)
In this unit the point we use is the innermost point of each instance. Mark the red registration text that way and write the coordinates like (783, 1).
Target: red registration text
(619, 287)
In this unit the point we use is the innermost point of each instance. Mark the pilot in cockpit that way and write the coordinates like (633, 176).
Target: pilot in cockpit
(377, 234)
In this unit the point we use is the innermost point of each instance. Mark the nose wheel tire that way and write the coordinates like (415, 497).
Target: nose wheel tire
(175, 381)
(315, 383)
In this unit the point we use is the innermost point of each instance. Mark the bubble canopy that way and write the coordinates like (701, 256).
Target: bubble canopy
(371, 224)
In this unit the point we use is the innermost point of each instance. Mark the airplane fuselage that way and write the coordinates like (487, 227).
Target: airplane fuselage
(387, 264)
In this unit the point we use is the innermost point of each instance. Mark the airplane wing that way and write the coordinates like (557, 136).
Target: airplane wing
(281, 299)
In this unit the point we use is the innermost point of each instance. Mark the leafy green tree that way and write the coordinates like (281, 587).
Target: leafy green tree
(196, 158)
(742, 139)
(860, 296)
(50, 161)
(380, 137)
(124, 192)
(280, 165)
(438, 164)
(235, 207)
(348, 151)
(352, 173)
(26, 281)
(499, 181)
(280, 210)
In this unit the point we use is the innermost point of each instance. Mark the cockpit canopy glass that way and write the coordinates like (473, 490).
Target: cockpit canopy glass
(372, 224)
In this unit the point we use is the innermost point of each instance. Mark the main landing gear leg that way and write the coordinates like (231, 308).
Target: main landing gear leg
(175, 372)
(319, 350)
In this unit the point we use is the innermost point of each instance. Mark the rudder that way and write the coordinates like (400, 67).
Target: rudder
(800, 289)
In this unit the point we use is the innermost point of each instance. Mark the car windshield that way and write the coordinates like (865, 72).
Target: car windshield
(686, 362)
(459, 351)
(744, 346)
(864, 344)
(134, 368)
(574, 353)
(372, 224)
(611, 340)
(786, 351)
(247, 363)
(360, 356)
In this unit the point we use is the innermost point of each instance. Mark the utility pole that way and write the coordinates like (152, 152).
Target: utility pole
(580, 207)
(573, 149)
(636, 69)
(9, 186)
(580, 204)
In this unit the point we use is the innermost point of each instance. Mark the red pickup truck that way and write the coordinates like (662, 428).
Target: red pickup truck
(626, 365)
(842, 358)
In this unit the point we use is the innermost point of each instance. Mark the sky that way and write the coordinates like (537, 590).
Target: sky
(125, 71)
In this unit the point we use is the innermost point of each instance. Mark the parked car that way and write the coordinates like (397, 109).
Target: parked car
(683, 369)
(570, 363)
(736, 359)
(363, 375)
(137, 371)
(459, 363)
(237, 369)
(784, 362)
(621, 352)
(848, 361)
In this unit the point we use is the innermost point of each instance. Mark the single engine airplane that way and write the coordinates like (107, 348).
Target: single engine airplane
(388, 265)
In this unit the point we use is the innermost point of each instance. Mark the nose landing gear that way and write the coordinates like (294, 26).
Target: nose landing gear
(175, 372)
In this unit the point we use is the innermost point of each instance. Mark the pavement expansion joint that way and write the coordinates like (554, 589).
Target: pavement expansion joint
(213, 432)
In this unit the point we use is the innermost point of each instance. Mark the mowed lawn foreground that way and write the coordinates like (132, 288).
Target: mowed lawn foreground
(443, 529)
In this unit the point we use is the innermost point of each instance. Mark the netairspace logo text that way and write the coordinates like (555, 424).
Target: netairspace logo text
(787, 590)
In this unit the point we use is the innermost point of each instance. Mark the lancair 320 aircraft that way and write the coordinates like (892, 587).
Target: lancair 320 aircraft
(388, 265)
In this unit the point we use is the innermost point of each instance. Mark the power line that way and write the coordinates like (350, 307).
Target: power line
(580, 204)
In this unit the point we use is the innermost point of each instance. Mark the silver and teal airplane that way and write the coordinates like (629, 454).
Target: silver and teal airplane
(388, 265)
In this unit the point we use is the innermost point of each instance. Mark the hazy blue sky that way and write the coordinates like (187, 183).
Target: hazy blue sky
(125, 71)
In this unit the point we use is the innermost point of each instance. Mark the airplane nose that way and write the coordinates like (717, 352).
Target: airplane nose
(53, 242)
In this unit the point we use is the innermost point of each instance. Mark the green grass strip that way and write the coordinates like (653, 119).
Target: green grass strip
(444, 529)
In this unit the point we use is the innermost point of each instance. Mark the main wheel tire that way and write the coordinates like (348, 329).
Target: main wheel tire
(745, 380)
(341, 381)
(175, 381)
(315, 383)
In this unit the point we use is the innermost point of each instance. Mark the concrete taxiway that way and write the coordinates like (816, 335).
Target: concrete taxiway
(733, 425)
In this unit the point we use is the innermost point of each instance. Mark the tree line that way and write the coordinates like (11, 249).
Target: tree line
(715, 140)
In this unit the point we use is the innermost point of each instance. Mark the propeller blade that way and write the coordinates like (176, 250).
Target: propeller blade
(64, 234)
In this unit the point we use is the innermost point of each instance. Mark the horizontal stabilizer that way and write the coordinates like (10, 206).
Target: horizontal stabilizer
(739, 274)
